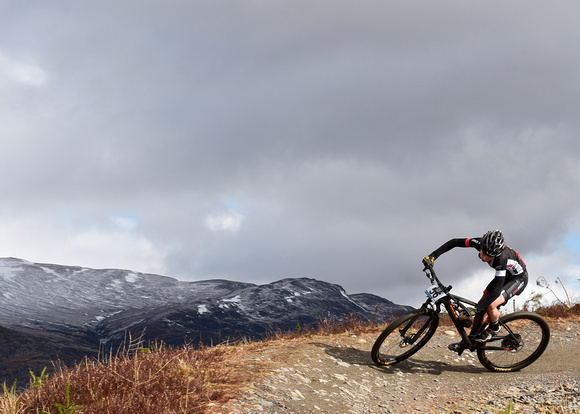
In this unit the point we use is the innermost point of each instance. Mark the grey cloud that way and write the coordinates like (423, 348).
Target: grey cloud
(353, 138)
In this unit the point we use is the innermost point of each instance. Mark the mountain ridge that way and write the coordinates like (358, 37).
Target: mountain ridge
(55, 312)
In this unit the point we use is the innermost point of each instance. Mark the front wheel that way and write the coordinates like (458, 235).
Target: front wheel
(523, 338)
(404, 337)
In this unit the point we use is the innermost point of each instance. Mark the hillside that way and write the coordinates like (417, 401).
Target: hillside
(309, 373)
(52, 312)
(312, 372)
(334, 374)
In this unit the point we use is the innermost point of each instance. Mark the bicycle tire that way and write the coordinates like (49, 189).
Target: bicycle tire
(401, 336)
(512, 351)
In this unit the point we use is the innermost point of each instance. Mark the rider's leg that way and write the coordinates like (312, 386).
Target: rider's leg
(479, 317)
(477, 322)
(489, 315)
(493, 311)
(513, 287)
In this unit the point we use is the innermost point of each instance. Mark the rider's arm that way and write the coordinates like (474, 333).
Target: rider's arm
(475, 243)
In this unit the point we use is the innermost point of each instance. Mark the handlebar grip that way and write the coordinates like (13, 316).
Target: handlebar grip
(428, 266)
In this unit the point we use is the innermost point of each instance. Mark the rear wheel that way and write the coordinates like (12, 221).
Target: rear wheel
(404, 337)
(523, 338)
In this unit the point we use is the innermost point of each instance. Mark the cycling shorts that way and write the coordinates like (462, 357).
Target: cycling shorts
(513, 287)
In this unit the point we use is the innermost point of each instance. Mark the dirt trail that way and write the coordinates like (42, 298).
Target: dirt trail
(334, 374)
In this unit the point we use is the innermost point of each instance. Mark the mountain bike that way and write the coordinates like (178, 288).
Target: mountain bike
(522, 340)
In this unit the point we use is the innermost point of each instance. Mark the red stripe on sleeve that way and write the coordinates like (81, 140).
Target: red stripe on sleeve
(467, 242)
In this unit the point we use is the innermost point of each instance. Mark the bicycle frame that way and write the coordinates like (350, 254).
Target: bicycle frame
(439, 295)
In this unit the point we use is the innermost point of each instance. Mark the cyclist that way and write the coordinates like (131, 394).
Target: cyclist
(511, 278)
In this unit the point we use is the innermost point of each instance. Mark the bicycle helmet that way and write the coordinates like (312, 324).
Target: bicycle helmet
(492, 243)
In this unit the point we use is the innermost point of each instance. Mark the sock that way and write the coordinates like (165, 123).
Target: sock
(494, 325)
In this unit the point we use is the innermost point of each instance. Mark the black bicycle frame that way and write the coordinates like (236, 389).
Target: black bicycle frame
(447, 300)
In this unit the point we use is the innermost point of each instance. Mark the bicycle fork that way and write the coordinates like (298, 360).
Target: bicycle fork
(410, 339)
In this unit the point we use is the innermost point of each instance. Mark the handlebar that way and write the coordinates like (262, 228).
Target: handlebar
(430, 273)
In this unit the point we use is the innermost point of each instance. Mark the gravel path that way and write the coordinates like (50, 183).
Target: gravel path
(334, 374)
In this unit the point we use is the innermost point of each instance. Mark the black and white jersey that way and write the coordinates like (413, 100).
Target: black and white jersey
(508, 266)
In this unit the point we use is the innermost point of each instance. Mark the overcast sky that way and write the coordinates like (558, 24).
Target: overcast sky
(259, 140)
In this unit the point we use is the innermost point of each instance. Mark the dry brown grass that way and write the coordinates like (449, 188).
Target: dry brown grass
(557, 310)
(144, 380)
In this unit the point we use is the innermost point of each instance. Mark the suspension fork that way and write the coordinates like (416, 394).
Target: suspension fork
(411, 339)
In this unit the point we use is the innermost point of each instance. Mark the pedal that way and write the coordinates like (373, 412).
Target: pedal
(456, 347)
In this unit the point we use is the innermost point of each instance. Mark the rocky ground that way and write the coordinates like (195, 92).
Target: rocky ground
(334, 374)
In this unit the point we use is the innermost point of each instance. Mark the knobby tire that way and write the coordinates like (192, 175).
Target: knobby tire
(405, 336)
(522, 341)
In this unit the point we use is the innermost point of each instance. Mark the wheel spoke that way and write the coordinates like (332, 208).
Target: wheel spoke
(523, 340)
(403, 338)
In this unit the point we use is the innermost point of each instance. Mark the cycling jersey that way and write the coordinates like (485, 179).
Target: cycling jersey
(508, 267)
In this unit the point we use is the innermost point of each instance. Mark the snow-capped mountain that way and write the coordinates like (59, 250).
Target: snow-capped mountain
(50, 312)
